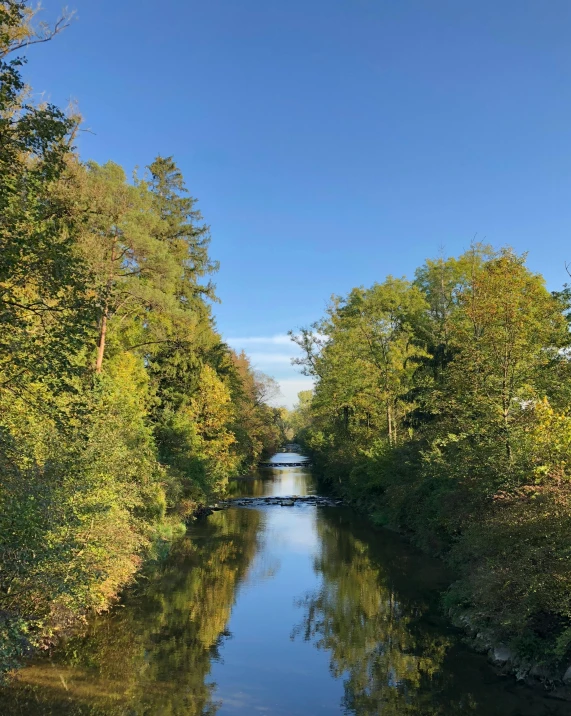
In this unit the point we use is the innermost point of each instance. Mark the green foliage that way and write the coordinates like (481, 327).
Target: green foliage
(45, 313)
(259, 428)
(300, 417)
(121, 410)
(442, 408)
(155, 656)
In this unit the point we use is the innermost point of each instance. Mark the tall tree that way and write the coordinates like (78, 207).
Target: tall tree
(507, 331)
(181, 229)
(135, 274)
(43, 305)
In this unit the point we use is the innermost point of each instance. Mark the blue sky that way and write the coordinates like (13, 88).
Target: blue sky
(331, 142)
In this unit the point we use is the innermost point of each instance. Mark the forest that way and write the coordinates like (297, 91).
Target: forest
(442, 408)
(122, 410)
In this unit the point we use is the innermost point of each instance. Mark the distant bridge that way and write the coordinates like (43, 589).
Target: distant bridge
(305, 463)
(287, 457)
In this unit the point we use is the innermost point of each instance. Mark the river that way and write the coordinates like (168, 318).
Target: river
(277, 611)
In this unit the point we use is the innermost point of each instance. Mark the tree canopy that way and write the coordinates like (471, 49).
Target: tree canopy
(121, 408)
(441, 406)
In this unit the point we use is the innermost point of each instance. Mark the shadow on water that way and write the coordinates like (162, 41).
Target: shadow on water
(289, 611)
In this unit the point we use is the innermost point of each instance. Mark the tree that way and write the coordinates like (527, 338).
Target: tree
(365, 355)
(135, 275)
(506, 332)
(442, 282)
(259, 428)
(179, 227)
(43, 303)
(300, 418)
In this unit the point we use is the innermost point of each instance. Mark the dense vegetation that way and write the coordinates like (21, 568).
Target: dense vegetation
(155, 656)
(443, 406)
(121, 409)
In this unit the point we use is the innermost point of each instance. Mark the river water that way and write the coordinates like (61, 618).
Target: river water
(281, 611)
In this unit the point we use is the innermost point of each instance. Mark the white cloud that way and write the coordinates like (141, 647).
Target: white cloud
(279, 340)
(267, 358)
(289, 388)
(273, 355)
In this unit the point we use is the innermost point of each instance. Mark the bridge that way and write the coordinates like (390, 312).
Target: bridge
(287, 458)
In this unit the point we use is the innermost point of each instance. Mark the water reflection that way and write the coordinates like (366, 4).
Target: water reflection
(372, 633)
(153, 656)
(289, 611)
(274, 482)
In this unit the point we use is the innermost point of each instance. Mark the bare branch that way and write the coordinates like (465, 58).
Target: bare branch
(42, 33)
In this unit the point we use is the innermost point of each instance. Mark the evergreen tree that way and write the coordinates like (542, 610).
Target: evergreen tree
(180, 228)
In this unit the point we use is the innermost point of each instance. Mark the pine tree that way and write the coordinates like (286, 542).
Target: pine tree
(179, 227)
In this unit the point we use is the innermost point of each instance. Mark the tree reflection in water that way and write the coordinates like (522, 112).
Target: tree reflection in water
(155, 655)
(374, 632)
(371, 612)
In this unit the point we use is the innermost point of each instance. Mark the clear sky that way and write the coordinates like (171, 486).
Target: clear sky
(331, 142)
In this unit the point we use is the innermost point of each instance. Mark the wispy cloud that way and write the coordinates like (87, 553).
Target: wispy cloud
(290, 387)
(273, 355)
(266, 358)
(279, 340)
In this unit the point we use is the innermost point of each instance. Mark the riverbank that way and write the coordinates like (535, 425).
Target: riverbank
(260, 607)
(441, 405)
(387, 509)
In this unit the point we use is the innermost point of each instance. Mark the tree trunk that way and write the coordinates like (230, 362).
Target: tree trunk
(101, 344)
(390, 427)
(105, 316)
(506, 412)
